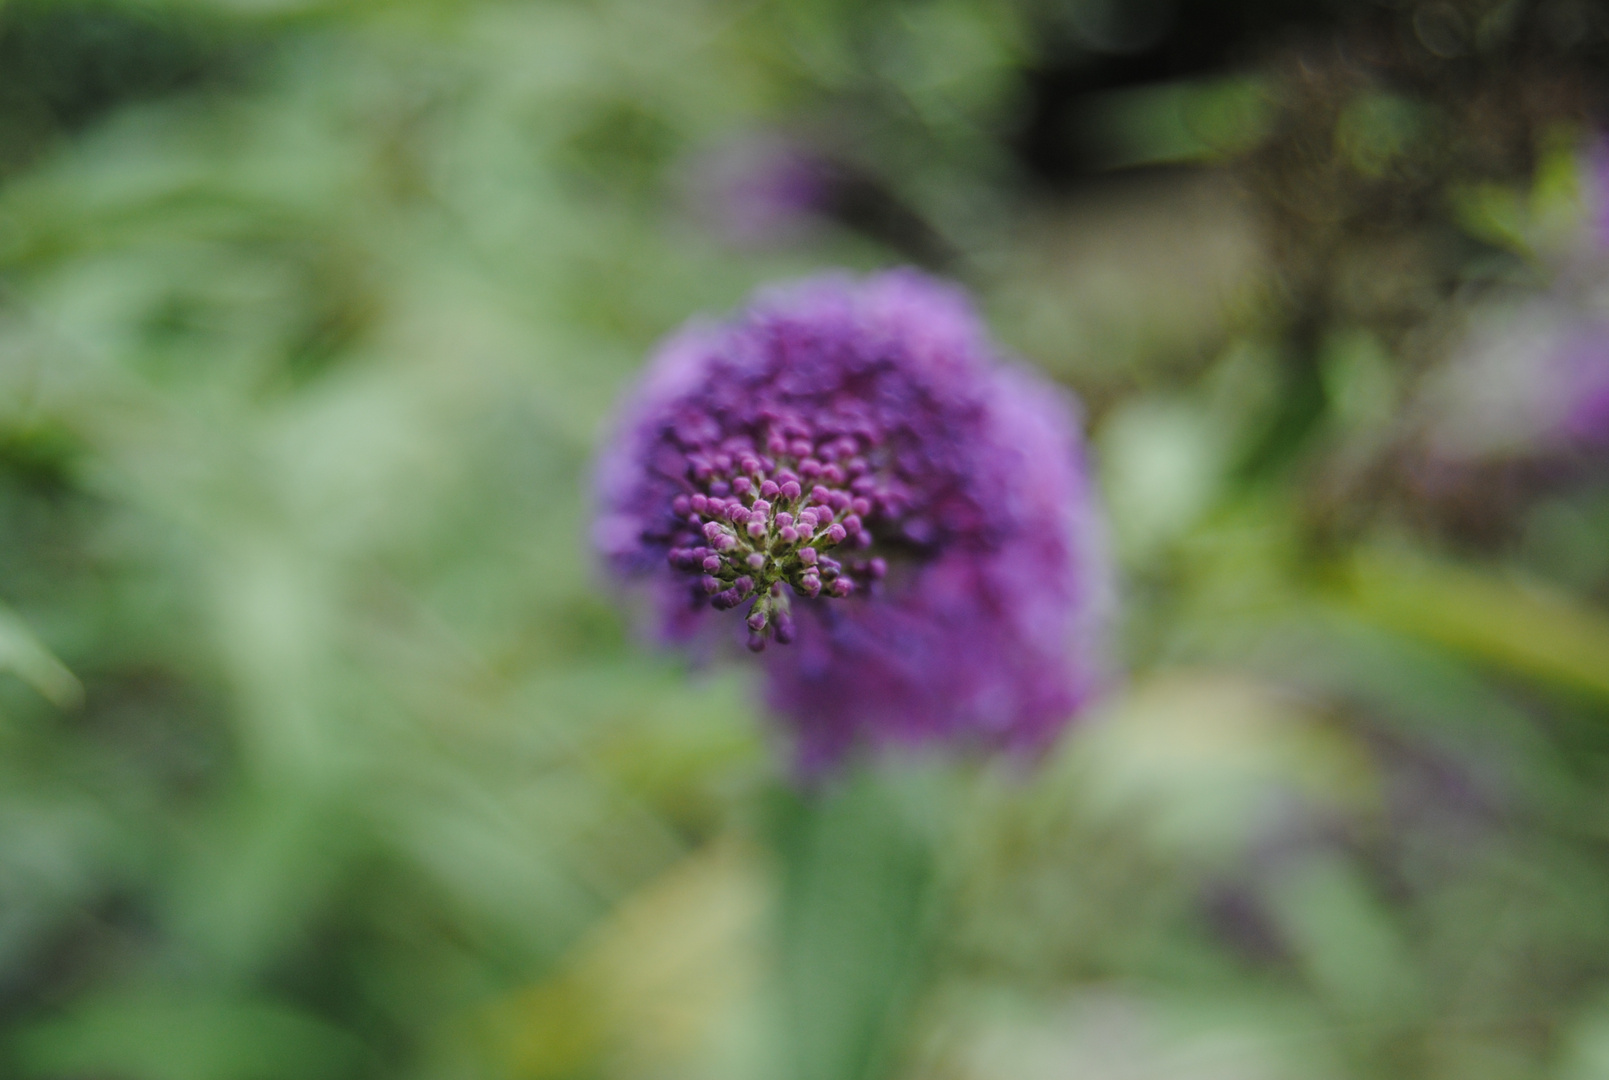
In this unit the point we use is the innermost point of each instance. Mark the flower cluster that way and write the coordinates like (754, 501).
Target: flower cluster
(849, 463)
(1530, 377)
(756, 522)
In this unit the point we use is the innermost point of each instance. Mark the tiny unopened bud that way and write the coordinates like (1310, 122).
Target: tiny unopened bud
(861, 505)
(757, 618)
(756, 642)
(681, 505)
(851, 524)
(723, 601)
(755, 561)
(712, 585)
(760, 506)
(810, 585)
(769, 489)
(742, 485)
(720, 488)
(833, 474)
(743, 585)
(819, 494)
(756, 528)
(876, 568)
(836, 533)
(788, 534)
(807, 555)
(841, 587)
(809, 468)
(791, 489)
(782, 627)
(712, 564)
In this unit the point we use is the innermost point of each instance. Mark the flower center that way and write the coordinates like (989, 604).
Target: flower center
(768, 520)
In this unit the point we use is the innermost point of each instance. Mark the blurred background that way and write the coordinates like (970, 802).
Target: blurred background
(325, 753)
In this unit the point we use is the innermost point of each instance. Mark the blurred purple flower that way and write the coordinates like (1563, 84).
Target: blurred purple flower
(763, 189)
(1531, 379)
(1583, 358)
(849, 463)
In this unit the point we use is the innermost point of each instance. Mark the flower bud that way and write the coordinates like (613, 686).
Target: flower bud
(782, 627)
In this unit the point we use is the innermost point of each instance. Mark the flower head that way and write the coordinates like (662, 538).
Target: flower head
(1530, 377)
(1530, 380)
(905, 519)
(763, 189)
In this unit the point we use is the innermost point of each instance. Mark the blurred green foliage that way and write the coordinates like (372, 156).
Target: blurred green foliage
(325, 753)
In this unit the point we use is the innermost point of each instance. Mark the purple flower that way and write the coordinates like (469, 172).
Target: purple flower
(763, 189)
(1584, 359)
(1531, 379)
(906, 518)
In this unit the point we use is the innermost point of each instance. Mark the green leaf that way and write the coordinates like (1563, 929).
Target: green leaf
(23, 654)
(1522, 627)
(162, 1037)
